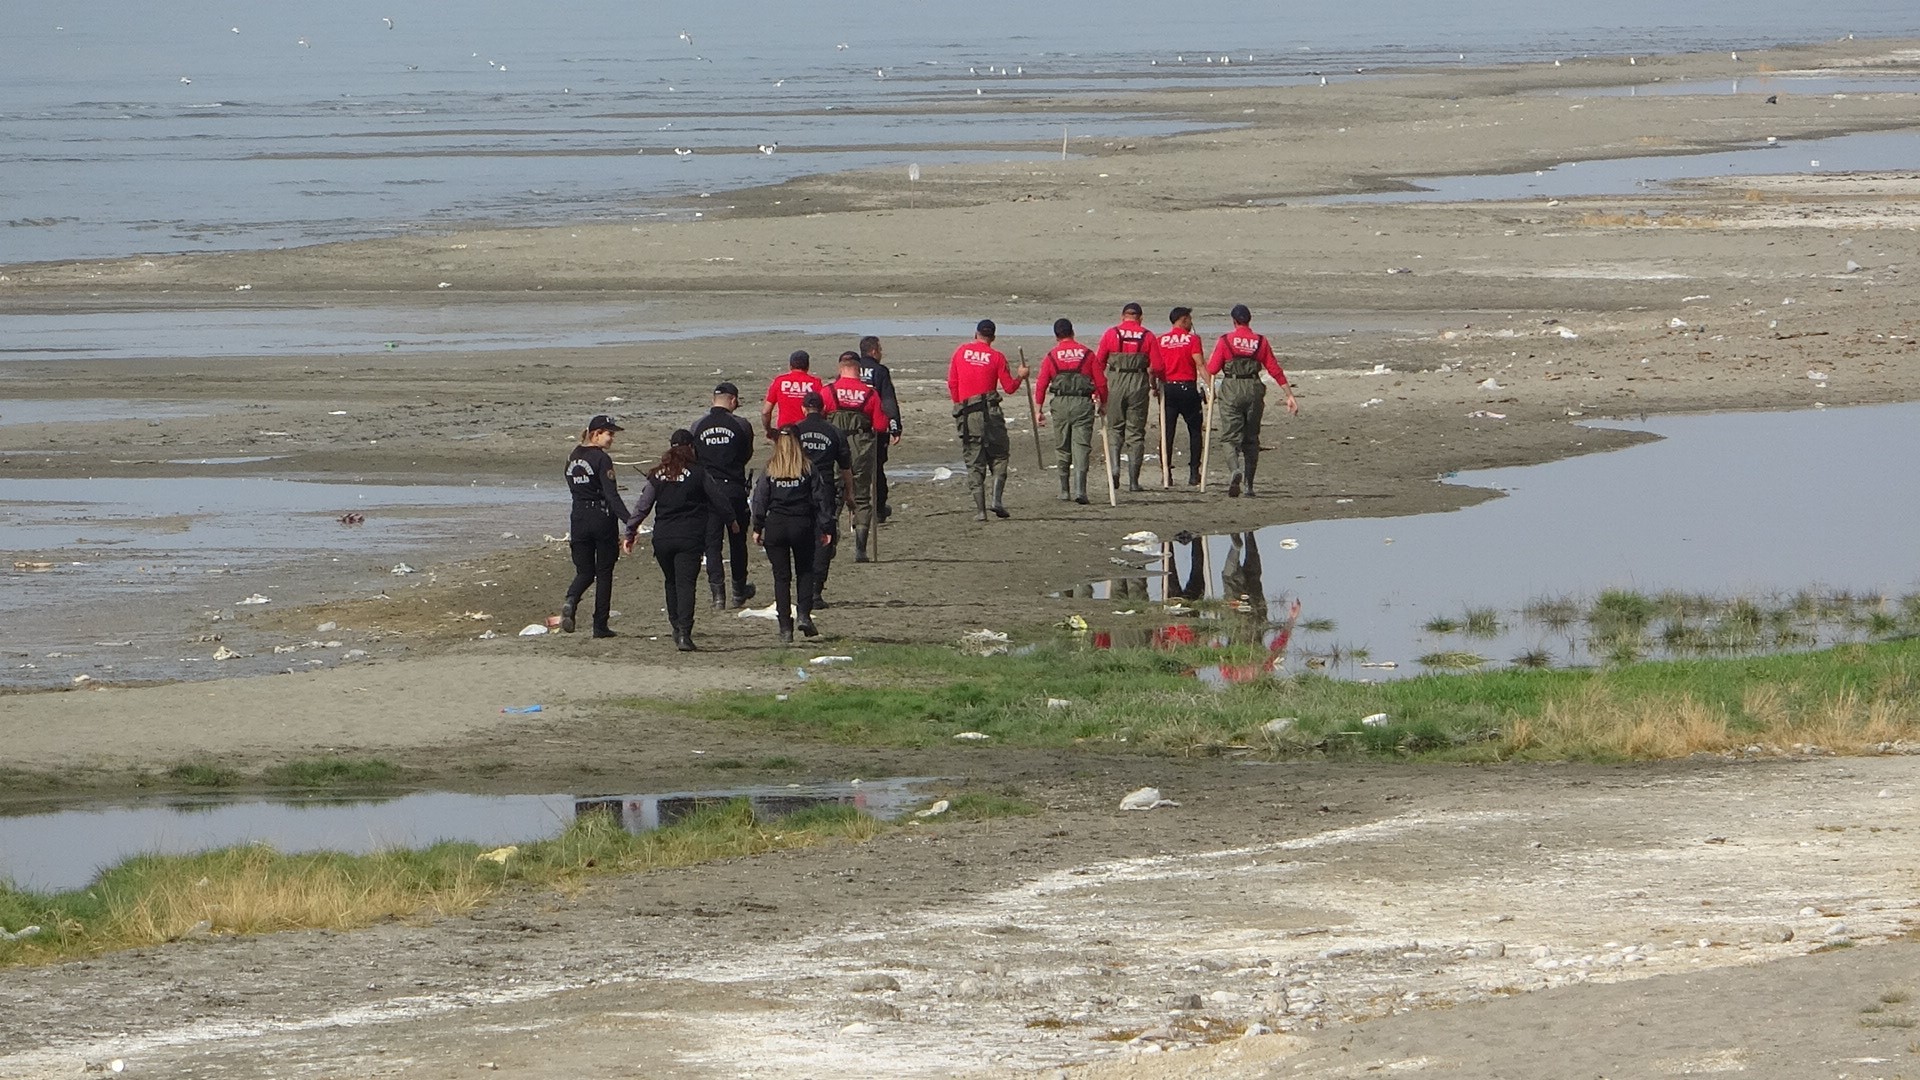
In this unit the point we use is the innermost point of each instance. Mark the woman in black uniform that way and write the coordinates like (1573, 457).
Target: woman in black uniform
(793, 511)
(681, 497)
(597, 514)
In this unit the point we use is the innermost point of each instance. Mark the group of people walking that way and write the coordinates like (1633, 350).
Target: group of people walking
(828, 444)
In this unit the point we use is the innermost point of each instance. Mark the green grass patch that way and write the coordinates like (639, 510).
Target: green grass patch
(1844, 699)
(1456, 659)
(332, 772)
(200, 774)
(981, 806)
(254, 889)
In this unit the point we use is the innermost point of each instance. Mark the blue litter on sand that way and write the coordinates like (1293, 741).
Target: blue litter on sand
(523, 708)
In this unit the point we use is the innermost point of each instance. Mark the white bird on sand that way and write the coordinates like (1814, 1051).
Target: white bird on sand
(1323, 80)
(686, 37)
(235, 29)
(681, 151)
(184, 81)
(768, 148)
(303, 43)
(1736, 55)
(779, 82)
(879, 73)
(842, 46)
(388, 21)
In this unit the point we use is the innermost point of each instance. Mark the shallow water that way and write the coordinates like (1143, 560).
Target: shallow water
(1863, 152)
(198, 126)
(265, 330)
(1758, 505)
(1759, 86)
(66, 848)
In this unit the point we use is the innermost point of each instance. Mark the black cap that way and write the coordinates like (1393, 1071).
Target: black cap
(813, 400)
(1130, 308)
(603, 422)
(727, 388)
(680, 437)
(985, 328)
(1240, 315)
(1178, 313)
(798, 358)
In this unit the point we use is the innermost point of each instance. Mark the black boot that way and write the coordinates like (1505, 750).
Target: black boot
(742, 592)
(806, 627)
(786, 635)
(683, 640)
(1133, 475)
(999, 494)
(566, 614)
(603, 632)
(860, 543)
(1193, 476)
(719, 597)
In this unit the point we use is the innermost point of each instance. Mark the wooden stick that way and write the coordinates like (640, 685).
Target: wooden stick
(1158, 403)
(1033, 414)
(873, 531)
(1206, 434)
(1106, 452)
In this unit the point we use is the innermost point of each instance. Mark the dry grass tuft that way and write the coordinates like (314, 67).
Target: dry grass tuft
(1597, 722)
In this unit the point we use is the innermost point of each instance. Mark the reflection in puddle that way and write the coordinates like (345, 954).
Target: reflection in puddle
(1864, 152)
(65, 849)
(1736, 533)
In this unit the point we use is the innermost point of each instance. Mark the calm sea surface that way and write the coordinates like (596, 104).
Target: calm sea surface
(199, 125)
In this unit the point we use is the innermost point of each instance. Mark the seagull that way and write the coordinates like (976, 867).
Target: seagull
(686, 37)
(879, 73)
(388, 21)
(303, 43)
(842, 46)
(1323, 80)
(681, 151)
(235, 29)
(184, 81)
(1736, 56)
(413, 67)
(768, 148)
(1556, 63)
(779, 82)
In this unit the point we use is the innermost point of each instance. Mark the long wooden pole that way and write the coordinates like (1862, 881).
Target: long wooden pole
(1158, 403)
(1033, 414)
(873, 532)
(1106, 453)
(1206, 433)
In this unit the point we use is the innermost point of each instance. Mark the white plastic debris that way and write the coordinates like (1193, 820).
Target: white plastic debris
(256, 598)
(224, 653)
(533, 629)
(1817, 376)
(326, 628)
(1381, 369)
(615, 400)
(402, 569)
(767, 612)
(831, 660)
(1379, 663)
(1567, 334)
(1144, 536)
(23, 932)
(1482, 414)
(1378, 719)
(1279, 725)
(488, 636)
(1059, 703)
(1289, 544)
(1677, 324)
(1371, 402)
(1490, 384)
(498, 855)
(973, 736)
(984, 642)
(942, 473)
(933, 811)
(1147, 798)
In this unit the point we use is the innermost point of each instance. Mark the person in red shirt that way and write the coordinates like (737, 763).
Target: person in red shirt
(1079, 391)
(859, 416)
(1176, 374)
(1125, 356)
(976, 377)
(1239, 355)
(787, 394)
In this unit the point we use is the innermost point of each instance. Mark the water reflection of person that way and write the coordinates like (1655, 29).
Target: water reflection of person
(1129, 589)
(1241, 574)
(1276, 652)
(1194, 585)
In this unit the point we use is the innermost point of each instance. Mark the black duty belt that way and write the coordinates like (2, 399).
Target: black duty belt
(1255, 375)
(1179, 382)
(589, 504)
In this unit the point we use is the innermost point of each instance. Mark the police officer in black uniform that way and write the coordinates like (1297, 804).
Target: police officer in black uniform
(875, 374)
(597, 515)
(832, 457)
(723, 444)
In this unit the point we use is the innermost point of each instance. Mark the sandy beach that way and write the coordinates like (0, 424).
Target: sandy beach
(1718, 294)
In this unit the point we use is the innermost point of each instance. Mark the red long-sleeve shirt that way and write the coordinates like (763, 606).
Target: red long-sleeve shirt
(978, 368)
(1069, 357)
(849, 392)
(1241, 341)
(1176, 356)
(788, 392)
(1129, 336)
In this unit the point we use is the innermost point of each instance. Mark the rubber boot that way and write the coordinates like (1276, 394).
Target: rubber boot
(1066, 483)
(1080, 487)
(859, 545)
(1253, 463)
(1133, 475)
(1233, 480)
(567, 609)
(980, 504)
(999, 492)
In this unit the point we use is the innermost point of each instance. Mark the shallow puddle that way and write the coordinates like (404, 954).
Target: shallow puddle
(1759, 86)
(1863, 152)
(1796, 513)
(66, 848)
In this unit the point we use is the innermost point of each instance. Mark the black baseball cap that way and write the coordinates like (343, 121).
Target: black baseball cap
(985, 328)
(813, 400)
(1130, 308)
(1240, 315)
(680, 437)
(603, 422)
(727, 388)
